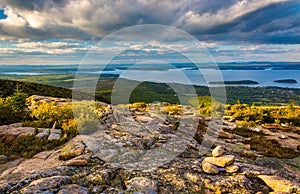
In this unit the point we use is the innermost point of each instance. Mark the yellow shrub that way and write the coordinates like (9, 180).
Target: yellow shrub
(173, 109)
(138, 105)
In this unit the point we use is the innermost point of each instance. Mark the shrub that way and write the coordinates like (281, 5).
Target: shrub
(87, 116)
(12, 108)
(138, 105)
(69, 129)
(49, 113)
(173, 109)
(26, 147)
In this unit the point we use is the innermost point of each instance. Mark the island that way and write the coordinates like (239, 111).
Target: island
(239, 82)
(286, 81)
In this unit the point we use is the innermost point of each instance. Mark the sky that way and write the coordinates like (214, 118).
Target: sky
(63, 31)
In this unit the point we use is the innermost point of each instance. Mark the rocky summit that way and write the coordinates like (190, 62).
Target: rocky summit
(140, 150)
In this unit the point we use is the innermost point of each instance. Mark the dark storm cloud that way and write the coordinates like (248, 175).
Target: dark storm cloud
(261, 21)
(33, 4)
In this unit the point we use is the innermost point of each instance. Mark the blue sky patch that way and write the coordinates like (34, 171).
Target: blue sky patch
(2, 15)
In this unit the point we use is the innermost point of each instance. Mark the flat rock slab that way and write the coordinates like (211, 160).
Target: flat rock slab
(221, 161)
(50, 183)
(14, 131)
(280, 185)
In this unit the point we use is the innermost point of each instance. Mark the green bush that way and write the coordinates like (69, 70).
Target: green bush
(27, 147)
(12, 108)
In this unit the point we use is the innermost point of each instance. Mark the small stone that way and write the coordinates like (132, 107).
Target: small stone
(218, 151)
(258, 130)
(54, 134)
(209, 168)
(114, 126)
(232, 168)
(143, 119)
(221, 161)
(283, 137)
(42, 133)
(77, 162)
(247, 147)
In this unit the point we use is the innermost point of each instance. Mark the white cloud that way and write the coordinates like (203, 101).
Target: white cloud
(222, 26)
(84, 19)
(194, 21)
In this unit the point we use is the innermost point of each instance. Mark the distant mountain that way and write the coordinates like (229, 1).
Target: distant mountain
(7, 87)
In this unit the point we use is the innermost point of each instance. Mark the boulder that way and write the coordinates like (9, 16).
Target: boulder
(15, 131)
(50, 184)
(209, 168)
(221, 161)
(218, 151)
(280, 185)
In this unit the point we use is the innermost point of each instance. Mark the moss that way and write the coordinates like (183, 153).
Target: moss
(27, 147)
(65, 153)
(242, 131)
(175, 125)
(271, 148)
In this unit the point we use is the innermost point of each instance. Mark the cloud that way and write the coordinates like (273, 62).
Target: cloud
(231, 20)
(33, 4)
(42, 48)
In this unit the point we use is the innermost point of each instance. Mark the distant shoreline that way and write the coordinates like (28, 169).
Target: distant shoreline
(251, 74)
(239, 82)
(286, 81)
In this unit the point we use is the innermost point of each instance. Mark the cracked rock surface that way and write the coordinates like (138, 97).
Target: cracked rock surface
(142, 152)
